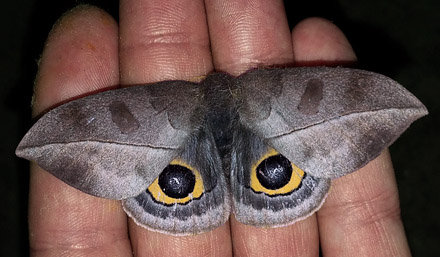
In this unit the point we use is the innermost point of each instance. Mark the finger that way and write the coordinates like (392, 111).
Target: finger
(167, 40)
(247, 34)
(163, 40)
(81, 56)
(317, 41)
(361, 215)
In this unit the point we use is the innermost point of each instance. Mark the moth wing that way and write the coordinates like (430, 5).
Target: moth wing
(328, 121)
(268, 190)
(114, 144)
(205, 207)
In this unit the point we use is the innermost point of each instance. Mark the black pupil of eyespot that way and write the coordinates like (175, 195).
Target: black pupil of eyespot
(274, 172)
(177, 181)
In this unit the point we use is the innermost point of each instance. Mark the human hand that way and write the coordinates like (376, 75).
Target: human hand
(160, 41)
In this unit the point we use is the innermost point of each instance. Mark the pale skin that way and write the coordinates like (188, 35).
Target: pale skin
(158, 40)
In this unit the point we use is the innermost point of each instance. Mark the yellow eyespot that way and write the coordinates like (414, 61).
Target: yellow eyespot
(179, 183)
(273, 174)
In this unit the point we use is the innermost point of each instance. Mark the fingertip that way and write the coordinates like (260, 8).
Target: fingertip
(318, 41)
(248, 34)
(163, 40)
(80, 55)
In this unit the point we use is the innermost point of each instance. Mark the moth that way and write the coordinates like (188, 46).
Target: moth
(264, 145)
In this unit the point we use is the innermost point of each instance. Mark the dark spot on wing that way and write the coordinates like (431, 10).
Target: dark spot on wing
(311, 97)
(74, 115)
(356, 92)
(308, 151)
(123, 118)
(375, 142)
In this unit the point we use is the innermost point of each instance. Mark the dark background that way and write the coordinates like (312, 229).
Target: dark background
(400, 39)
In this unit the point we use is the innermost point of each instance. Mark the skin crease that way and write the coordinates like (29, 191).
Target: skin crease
(170, 40)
